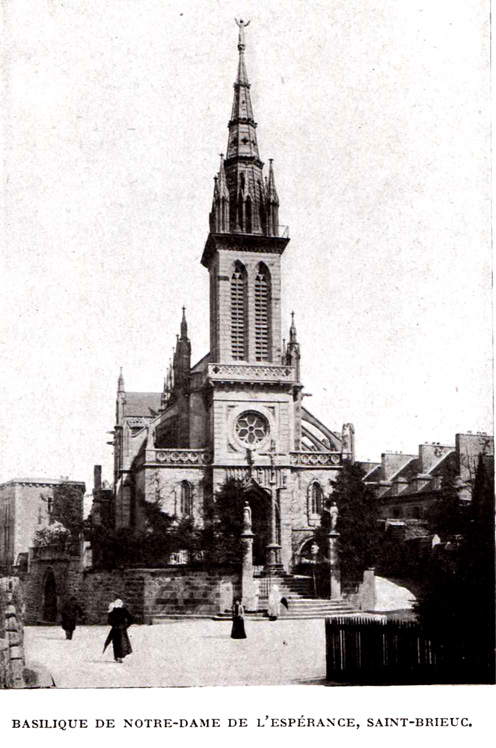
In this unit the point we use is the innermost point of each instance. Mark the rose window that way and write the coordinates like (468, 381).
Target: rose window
(251, 428)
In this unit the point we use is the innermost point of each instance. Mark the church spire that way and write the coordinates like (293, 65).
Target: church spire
(244, 202)
(242, 142)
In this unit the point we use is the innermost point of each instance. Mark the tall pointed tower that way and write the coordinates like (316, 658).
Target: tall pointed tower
(245, 244)
(253, 392)
(237, 412)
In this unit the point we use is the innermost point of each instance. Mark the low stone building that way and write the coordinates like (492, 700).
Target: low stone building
(31, 504)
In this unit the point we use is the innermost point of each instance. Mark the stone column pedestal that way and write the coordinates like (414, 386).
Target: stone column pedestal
(248, 591)
(273, 558)
(334, 570)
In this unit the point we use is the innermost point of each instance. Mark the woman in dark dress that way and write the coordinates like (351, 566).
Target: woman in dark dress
(120, 619)
(70, 612)
(238, 627)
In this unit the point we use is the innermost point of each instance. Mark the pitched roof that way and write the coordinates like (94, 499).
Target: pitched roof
(142, 404)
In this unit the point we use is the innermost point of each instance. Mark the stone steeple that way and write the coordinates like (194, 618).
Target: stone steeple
(244, 247)
(243, 202)
(242, 140)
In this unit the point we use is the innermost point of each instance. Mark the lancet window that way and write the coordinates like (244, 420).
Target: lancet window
(316, 498)
(262, 314)
(186, 499)
(239, 315)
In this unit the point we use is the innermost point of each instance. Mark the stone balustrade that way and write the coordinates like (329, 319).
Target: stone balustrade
(173, 457)
(202, 457)
(316, 459)
(249, 373)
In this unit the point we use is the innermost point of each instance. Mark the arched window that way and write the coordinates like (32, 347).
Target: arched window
(239, 316)
(186, 499)
(263, 321)
(316, 498)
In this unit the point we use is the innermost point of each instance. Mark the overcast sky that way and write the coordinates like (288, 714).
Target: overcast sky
(376, 115)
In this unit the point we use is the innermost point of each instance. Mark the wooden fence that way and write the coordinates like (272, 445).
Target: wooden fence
(377, 651)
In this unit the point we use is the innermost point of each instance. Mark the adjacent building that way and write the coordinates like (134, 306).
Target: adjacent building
(408, 485)
(30, 504)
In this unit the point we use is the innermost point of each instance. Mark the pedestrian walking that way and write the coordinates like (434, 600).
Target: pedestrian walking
(119, 618)
(70, 612)
(238, 626)
(274, 607)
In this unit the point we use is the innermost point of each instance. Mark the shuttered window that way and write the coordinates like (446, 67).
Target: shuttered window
(239, 314)
(262, 314)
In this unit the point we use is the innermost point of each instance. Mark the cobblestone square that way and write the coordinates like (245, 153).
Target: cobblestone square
(184, 653)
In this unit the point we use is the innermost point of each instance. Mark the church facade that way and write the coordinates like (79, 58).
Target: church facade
(238, 412)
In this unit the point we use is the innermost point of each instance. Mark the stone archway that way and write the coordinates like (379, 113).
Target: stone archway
(50, 598)
(303, 553)
(260, 504)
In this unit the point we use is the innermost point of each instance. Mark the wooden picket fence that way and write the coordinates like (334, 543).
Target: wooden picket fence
(377, 651)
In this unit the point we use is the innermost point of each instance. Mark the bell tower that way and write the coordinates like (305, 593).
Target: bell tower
(252, 390)
(245, 243)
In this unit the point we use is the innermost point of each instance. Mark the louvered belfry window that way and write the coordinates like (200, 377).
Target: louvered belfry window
(238, 313)
(262, 314)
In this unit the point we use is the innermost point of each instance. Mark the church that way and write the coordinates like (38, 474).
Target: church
(237, 412)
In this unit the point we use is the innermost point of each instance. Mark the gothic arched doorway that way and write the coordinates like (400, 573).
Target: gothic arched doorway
(50, 598)
(260, 504)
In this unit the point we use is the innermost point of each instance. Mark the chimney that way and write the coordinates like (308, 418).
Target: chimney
(97, 477)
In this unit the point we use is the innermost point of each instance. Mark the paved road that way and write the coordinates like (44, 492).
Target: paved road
(184, 653)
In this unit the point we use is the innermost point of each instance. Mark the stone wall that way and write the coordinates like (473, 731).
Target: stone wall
(66, 575)
(175, 590)
(11, 634)
(199, 592)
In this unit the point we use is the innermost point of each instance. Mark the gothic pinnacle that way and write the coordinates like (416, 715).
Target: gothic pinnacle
(292, 329)
(222, 183)
(271, 186)
(120, 382)
(184, 326)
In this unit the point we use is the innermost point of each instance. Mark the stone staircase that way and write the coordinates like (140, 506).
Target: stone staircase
(298, 592)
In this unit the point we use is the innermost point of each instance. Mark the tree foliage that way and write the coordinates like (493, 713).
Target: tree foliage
(357, 525)
(457, 605)
(221, 536)
(447, 517)
(150, 545)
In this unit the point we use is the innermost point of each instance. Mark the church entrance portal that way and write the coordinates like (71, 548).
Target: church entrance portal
(50, 598)
(260, 504)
